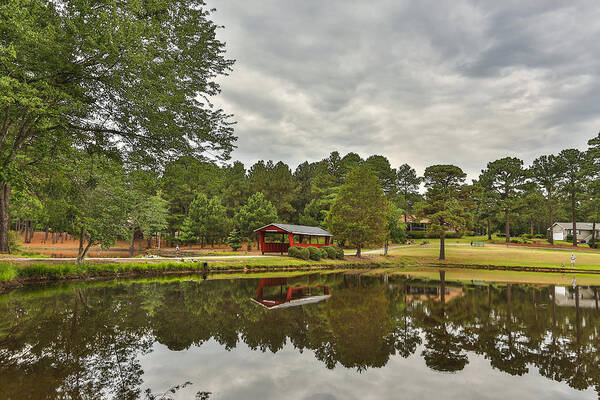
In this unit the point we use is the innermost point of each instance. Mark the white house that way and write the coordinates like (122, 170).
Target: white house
(560, 230)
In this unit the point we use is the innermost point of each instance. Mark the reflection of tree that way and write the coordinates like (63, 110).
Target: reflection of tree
(86, 340)
(361, 326)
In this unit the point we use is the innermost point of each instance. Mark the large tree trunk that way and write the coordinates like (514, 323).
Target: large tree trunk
(489, 229)
(442, 246)
(4, 217)
(551, 215)
(593, 233)
(574, 217)
(507, 227)
(385, 248)
(358, 251)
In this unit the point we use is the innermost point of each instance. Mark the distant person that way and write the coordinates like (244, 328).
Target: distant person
(563, 265)
(574, 283)
(177, 249)
(573, 258)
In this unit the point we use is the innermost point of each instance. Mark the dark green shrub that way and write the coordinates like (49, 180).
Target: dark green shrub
(539, 236)
(569, 238)
(304, 253)
(527, 236)
(331, 253)
(516, 240)
(315, 253)
(416, 234)
(298, 252)
(339, 253)
(294, 251)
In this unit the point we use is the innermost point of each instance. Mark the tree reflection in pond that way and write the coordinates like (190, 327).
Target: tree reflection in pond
(87, 341)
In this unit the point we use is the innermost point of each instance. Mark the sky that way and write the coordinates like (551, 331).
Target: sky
(420, 82)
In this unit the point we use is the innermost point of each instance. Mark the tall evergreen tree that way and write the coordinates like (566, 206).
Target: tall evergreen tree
(548, 171)
(360, 211)
(444, 202)
(503, 180)
(573, 182)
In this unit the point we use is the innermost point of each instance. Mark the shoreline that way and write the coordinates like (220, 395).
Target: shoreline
(41, 274)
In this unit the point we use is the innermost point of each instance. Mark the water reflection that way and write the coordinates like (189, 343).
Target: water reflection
(91, 341)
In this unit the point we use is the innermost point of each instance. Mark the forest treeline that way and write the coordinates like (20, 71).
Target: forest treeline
(191, 200)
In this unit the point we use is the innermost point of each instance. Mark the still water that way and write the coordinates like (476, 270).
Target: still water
(318, 336)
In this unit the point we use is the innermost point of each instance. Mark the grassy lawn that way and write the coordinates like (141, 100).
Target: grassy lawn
(502, 255)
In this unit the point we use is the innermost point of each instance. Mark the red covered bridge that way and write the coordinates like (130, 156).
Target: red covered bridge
(278, 238)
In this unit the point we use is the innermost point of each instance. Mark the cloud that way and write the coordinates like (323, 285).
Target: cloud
(462, 82)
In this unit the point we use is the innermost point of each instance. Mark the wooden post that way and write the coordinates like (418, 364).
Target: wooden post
(261, 239)
(327, 241)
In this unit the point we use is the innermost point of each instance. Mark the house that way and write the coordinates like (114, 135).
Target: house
(414, 223)
(278, 238)
(560, 230)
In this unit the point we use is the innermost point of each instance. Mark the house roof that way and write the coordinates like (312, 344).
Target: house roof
(298, 229)
(584, 226)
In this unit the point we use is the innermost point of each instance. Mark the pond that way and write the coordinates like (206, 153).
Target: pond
(315, 336)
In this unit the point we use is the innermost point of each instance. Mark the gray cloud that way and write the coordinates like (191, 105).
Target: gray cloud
(427, 82)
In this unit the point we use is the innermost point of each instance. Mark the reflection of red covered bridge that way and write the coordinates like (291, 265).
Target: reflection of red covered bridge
(278, 238)
(291, 296)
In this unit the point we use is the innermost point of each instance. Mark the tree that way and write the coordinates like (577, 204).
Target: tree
(153, 216)
(255, 213)
(444, 202)
(127, 77)
(573, 182)
(408, 183)
(97, 200)
(276, 183)
(503, 179)
(360, 211)
(396, 229)
(384, 172)
(548, 172)
(234, 240)
(206, 222)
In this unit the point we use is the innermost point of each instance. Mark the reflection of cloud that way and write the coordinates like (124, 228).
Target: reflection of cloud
(420, 82)
(246, 374)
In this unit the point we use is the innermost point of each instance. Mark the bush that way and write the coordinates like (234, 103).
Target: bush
(416, 234)
(331, 253)
(315, 253)
(294, 251)
(298, 252)
(425, 234)
(539, 236)
(339, 253)
(527, 236)
(516, 240)
(569, 238)
(594, 245)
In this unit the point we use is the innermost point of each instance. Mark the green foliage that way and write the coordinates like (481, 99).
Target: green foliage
(234, 240)
(445, 201)
(315, 253)
(206, 222)
(255, 213)
(339, 253)
(396, 228)
(14, 242)
(299, 252)
(360, 211)
(330, 251)
(416, 234)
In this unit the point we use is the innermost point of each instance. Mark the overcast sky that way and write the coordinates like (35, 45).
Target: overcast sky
(420, 82)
